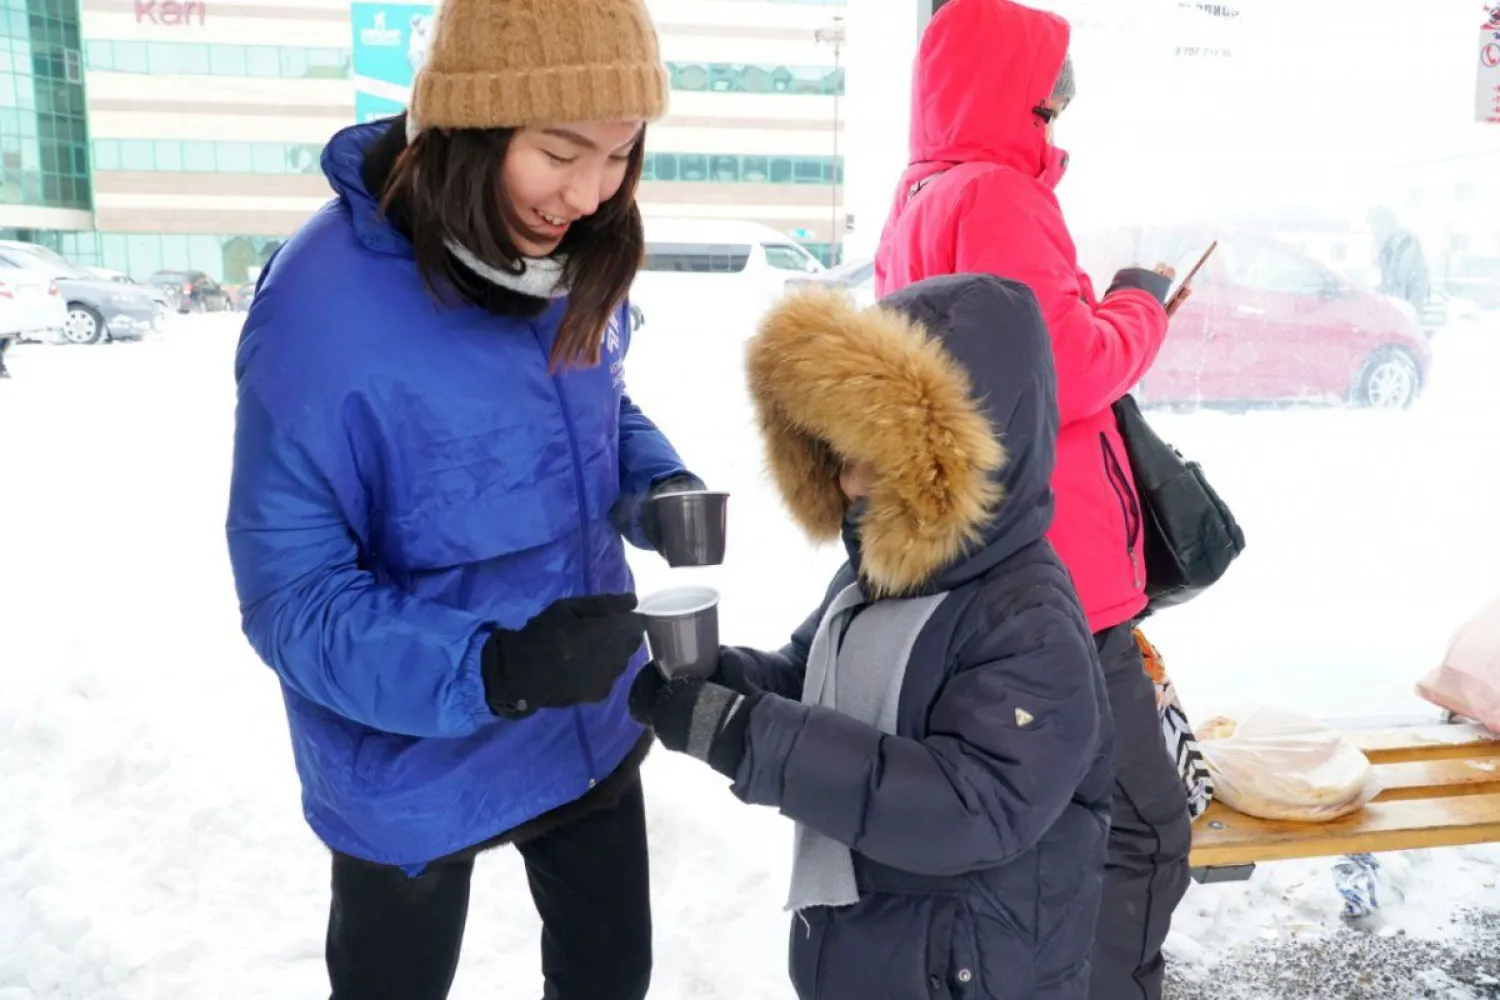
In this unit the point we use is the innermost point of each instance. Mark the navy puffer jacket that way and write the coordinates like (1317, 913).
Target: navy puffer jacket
(978, 826)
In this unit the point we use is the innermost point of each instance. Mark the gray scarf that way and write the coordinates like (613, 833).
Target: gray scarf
(542, 277)
(857, 668)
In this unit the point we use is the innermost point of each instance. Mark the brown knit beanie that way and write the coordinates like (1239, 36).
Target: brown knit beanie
(498, 63)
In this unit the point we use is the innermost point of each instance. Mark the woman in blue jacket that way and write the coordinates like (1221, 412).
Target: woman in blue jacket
(435, 463)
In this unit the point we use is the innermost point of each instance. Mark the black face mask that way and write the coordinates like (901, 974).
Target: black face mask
(853, 514)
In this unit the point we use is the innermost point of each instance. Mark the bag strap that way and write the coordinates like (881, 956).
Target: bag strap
(911, 192)
(972, 169)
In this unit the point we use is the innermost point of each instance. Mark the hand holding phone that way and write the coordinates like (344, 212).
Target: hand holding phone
(1183, 286)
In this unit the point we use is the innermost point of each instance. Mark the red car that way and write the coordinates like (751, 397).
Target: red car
(1269, 324)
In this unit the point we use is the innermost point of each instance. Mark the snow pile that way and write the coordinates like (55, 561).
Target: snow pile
(151, 845)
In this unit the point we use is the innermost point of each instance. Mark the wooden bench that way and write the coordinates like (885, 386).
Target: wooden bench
(1442, 789)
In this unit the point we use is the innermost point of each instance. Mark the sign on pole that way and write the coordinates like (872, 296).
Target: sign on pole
(1487, 94)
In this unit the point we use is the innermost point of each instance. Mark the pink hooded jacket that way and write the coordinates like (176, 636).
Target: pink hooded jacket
(986, 205)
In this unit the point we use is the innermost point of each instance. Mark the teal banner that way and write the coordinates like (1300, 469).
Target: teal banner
(390, 40)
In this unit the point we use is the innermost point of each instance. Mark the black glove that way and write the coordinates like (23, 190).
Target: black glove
(650, 526)
(694, 716)
(730, 672)
(1143, 280)
(572, 652)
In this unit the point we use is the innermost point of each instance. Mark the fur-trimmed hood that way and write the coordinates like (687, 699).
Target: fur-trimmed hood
(946, 389)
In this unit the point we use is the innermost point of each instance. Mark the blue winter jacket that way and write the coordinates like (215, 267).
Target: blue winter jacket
(407, 476)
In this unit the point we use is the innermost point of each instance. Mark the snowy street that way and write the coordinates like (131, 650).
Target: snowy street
(151, 841)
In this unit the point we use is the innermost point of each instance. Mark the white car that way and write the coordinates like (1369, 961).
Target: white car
(31, 305)
(856, 278)
(725, 253)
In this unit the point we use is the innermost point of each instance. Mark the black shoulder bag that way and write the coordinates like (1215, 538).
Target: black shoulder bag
(1189, 536)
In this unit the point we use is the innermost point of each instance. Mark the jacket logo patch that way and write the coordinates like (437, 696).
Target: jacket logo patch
(613, 342)
(1024, 718)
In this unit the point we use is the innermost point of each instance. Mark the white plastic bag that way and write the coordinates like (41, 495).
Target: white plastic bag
(1468, 681)
(1280, 765)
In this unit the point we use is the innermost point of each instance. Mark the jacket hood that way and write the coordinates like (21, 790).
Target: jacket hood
(923, 387)
(343, 164)
(983, 68)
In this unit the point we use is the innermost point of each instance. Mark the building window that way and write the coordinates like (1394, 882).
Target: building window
(231, 260)
(726, 170)
(743, 169)
(199, 59)
(202, 156)
(43, 128)
(740, 78)
(137, 154)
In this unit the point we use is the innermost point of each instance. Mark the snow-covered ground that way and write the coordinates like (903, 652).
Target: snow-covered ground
(151, 844)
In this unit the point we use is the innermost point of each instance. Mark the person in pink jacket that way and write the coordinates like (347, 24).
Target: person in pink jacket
(991, 78)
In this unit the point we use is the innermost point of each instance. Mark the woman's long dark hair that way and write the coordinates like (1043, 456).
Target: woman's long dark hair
(447, 185)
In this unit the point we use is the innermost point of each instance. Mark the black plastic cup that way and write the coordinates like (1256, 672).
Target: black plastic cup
(693, 525)
(682, 626)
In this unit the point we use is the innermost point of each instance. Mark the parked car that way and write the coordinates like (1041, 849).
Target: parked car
(193, 291)
(31, 304)
(96, 310)
(1269, 324)
(240, 296)
(724, 253)
(857, 277)
(167, 302)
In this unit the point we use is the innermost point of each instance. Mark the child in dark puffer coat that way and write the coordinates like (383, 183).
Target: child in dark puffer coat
(938, 729)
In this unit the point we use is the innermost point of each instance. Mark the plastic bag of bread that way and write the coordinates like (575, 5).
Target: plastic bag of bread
(1279, 765)
(1468, 682)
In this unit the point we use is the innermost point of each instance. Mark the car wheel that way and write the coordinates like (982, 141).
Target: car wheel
(1390, 380)
(84, 325)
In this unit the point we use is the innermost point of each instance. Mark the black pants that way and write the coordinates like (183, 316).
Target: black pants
(1149, 837)
(391, 937)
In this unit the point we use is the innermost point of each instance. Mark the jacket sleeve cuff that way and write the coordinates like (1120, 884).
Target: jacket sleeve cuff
(1139, 279)
(469, 694)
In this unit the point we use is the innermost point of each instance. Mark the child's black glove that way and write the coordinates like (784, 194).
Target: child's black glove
(731, 673)
(694, 716)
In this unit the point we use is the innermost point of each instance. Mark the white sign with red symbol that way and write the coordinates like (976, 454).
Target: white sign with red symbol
(1487, 95)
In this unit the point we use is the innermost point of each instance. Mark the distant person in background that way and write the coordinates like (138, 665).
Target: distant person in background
(1403, 265)
(4, 344)
(991, 79)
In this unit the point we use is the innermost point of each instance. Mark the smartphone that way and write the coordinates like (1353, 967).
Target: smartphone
(1186, 279)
